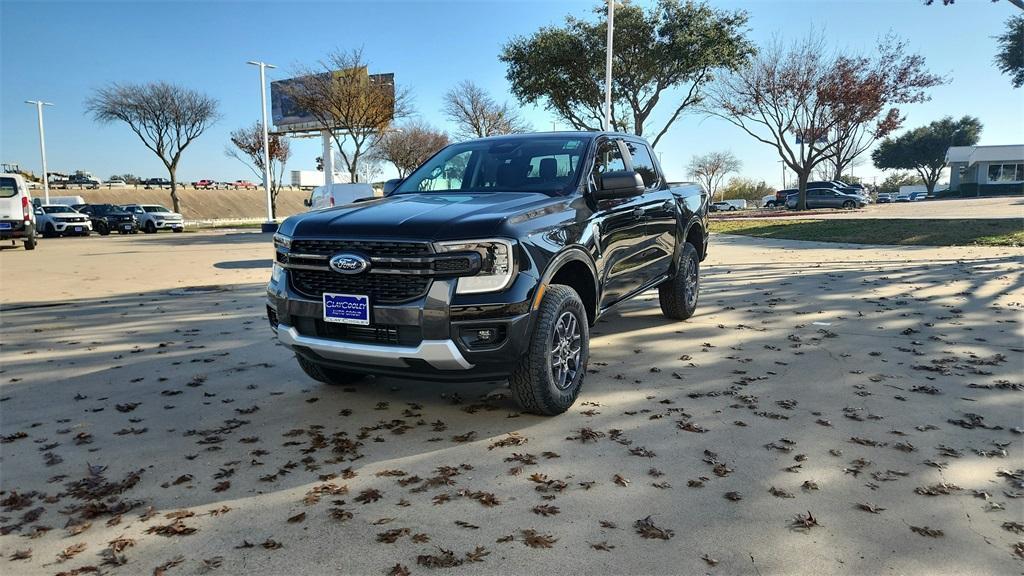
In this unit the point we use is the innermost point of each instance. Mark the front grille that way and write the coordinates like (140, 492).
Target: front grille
(378, 248)
(381, 334)
(381, 288)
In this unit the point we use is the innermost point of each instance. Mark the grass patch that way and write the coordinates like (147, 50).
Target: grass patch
(903, 232)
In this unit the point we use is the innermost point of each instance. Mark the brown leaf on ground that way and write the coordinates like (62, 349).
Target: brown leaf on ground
(420, 538)
(300, 517)
(602, 546)
(398, 570)
(534, 539)
(176, 528)
(163, 568)
(868, 507)
(369, 495)
(477, 554)
(446, 559)
(711, 561)
(222, 486)
(618, 479)
(120, 544)
(926, 531)
(733, 496)
(271, 544)
(804, 521)
(940, 489)
(780, 493)
(21, 555)
(646, 528)
(546, 510)
(1015, 527)
(513, 439)
(391, 536)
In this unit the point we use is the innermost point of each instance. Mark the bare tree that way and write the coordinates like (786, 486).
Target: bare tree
(410, 146)
(477, 115)
(166, 117)
(807, 102)
(710, 169)
(357, 108)
(247, 147)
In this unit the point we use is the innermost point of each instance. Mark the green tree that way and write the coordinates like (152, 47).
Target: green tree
(1010, 58)
(924, 149)
(893, 181)
(746, 189)
(671, 45)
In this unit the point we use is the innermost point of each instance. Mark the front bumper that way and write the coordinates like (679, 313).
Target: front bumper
(69, 227)
(168, 224)
(428, 335)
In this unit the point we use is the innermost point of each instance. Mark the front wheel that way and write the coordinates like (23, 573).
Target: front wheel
(678, 295)
(102, 229)
(549, 377)
(325, 374)
(150, 227)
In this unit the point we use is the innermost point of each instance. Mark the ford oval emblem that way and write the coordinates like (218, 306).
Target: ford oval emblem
(349, 264)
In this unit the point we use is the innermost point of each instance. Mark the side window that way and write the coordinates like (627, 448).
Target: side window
(643, 164)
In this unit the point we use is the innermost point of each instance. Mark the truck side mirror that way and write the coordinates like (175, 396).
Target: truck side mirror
(306, 202)
(390, 185)
(619, 184)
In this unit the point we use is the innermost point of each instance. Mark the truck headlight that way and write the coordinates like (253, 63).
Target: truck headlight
(282, 241)
(275, 273)
(496, 265)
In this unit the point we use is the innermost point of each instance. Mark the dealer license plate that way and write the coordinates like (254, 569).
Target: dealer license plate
(5, 225)
(347, 309)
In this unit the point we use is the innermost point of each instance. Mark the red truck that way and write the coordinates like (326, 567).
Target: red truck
(205, 184)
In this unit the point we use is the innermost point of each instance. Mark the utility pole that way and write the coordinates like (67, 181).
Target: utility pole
(42, 145)
(608, 68)
(270, 225)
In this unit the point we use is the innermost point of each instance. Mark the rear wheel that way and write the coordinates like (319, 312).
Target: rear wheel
(848, 205)
(732, 208)
(678, 295)
(30, 242)
(549, 377)
(327, 375)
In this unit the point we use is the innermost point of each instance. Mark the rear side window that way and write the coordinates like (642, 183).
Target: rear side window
(8, 188)
(643, 164)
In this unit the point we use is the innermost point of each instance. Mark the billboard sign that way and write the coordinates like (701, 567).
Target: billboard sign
(288, 116)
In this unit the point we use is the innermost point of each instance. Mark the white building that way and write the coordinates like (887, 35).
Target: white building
(986, 169)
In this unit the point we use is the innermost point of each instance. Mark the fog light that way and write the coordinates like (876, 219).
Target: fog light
(483, 336)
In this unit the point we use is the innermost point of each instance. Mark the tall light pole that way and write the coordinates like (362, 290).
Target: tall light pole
(271, 224)
(42, 145)
(608, 68)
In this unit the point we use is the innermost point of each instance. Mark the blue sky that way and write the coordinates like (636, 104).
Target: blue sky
(61, 51)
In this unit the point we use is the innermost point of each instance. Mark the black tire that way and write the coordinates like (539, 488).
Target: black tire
(561, 321)
(150, 227)
(732, 209)
(769, 204)
(102, 229)
(678, 295)
(848, 205)
(49, 231)
(30, 242)
(331, 376)
(178, 229)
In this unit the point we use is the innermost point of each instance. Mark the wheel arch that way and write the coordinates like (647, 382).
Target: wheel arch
(573, 267)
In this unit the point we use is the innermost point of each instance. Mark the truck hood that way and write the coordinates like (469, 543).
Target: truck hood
(433, 216)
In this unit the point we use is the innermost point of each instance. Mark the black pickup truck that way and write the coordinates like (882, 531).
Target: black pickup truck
(490, 261)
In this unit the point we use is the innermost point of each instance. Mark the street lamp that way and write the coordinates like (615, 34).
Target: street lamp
(42, 145)
(270, 225)
(608, 68)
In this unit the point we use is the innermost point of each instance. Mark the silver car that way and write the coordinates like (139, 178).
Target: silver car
(827, 198)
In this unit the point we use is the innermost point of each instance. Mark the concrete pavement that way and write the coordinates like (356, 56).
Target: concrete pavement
(877, 389)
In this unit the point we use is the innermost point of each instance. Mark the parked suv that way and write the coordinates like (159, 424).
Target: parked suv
(827, 198)
(490, 261)
(60, 220)
(153, 218)
(108, 217)
(17, 217)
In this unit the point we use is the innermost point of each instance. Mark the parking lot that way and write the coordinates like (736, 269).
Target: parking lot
(960, 209)
(829, 409)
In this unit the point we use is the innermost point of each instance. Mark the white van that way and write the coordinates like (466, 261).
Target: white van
(63, 200)
(338, 195)
(17, 216)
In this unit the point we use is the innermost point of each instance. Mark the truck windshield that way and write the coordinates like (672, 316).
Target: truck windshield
(548, 164)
